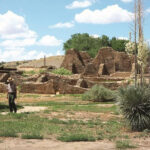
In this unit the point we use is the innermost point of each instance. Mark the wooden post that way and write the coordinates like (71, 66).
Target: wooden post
(130, 37)
(44, 61)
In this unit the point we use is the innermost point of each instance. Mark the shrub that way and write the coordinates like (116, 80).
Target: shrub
(62, 71)
(99, 93)
(76, 137)
(28, 73)
(135, 106)
(124, 145)
(32, 136)
(42, 71)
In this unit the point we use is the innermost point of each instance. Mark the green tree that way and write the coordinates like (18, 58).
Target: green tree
(85, 42)
(118, 44)
(105, 41)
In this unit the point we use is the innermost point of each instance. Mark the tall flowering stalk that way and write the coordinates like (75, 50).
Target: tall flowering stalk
(130, 48)
(142, 57)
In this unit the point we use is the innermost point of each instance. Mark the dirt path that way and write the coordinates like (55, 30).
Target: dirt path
(24, 144)
(28, 109)
(20, 144)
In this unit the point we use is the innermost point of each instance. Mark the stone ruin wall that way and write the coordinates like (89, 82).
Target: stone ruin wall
(107, 61)
(108, 66)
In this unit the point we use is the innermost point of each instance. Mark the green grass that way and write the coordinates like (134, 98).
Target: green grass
(40, 125)
(62, 71)
(5, 107)
(27, 125)
(29, 73)
(76, 137)
(71, 95)
(2, 95)
(32, 136)
(32, 95)
(124, 144)
(8, 133)
(33, 72)
(72, 106)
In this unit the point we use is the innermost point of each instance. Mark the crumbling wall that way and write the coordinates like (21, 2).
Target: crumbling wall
(113, 61)
(75, 61)
(105, 56)
(3, 88)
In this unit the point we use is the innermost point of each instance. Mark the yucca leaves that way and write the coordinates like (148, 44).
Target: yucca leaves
(135, 106)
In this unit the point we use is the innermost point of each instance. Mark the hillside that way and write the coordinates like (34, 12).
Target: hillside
(50, 61)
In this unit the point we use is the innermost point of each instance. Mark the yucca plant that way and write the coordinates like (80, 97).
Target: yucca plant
(134, 103)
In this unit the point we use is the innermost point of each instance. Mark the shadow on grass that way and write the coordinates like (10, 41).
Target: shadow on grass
(5, 108)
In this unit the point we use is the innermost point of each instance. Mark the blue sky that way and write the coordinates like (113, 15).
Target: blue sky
(30, 29)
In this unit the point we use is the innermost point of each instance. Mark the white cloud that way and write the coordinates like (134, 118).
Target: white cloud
(148, 10)
(123, 38)
(48, 40)
(15, 36)
(15, 33)
(79, 4)
(22, 43)
(110, 14)
(127, 1)
(21, 54)
(148, 41)
(62, 25)
(14, 43)
(13, 26)
(95, 36)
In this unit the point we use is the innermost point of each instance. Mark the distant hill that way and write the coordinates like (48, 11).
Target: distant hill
(50, 61)
(55, 61)
(14, 64)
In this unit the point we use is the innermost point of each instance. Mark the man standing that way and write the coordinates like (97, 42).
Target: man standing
(11, 95)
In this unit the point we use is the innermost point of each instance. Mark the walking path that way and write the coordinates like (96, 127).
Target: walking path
(28, 109)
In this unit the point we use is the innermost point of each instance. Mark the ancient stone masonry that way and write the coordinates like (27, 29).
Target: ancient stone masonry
(112, 61)
(123, 62)
(5, 73)
(54, 84)
(105, 56)
(4, 77)
(75, 61)
(107, 61)
(90, 70)
(109, 68)
(3, 88)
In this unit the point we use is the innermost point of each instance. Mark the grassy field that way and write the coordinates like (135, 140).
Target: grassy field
(66, 118)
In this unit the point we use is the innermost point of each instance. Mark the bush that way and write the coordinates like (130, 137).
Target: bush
(29, 73)
(32, 136)
(99, 93)
(62, 71)
(124, 145)
(135, 106)
(76, 138)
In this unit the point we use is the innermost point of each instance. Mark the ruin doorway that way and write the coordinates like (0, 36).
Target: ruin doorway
(74, 69)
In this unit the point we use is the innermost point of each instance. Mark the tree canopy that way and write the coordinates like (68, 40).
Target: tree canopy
(85, 42)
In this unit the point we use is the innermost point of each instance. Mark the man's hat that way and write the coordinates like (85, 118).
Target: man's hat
(10, 79)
